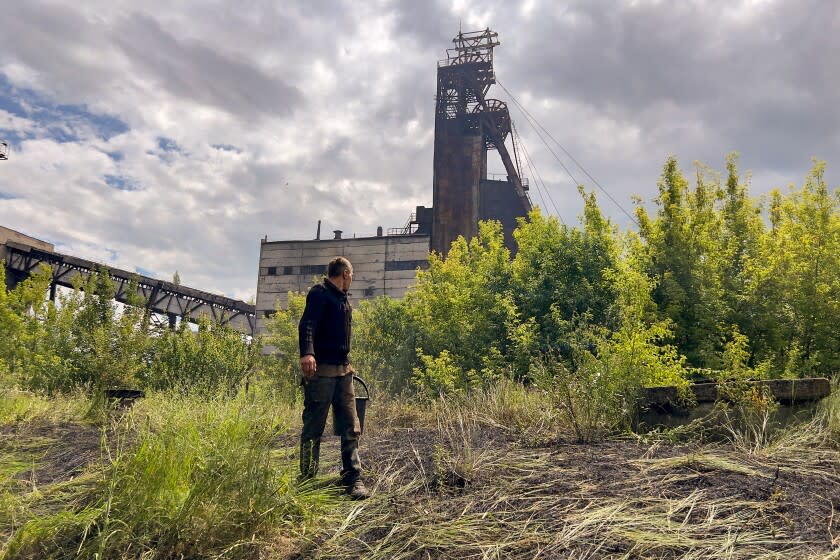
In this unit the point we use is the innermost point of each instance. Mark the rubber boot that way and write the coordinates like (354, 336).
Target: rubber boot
(310, 452)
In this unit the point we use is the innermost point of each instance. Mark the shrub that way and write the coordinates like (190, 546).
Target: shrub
(384, 343)
(591, 399)
(215, 357)
(438, 375)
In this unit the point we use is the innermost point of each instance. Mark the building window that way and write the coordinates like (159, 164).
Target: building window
(288, 270)
(272, 271)
(406, 265)
(313, 269)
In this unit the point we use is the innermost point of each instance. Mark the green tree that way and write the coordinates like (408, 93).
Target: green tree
(213, 358)
(110, 342)
(684, 259)
(384, 343)
(560, 273)
(741, 260)
(282, 336)
(22, 311)
(462, 304)
(799, 290)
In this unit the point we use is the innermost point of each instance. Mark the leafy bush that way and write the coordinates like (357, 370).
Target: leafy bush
(591, 399)
(215, 357)
(384, 343)
(86, 341)
(439, 375)
(281, 363)
(462, 304)
(560, 272)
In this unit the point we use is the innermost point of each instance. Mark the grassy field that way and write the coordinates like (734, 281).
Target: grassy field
(494, 475)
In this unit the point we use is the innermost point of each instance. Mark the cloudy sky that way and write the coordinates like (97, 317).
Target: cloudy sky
(158, 136)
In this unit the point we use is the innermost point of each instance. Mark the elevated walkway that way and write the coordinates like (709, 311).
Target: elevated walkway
(162, 297)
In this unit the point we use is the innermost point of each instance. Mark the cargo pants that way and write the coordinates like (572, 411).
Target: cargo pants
(319, 393)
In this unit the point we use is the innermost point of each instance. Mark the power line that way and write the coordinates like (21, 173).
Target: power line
(529, 161)
(514, 139)
(529, 118)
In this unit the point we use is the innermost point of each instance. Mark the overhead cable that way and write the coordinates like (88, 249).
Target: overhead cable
(537, 127)
(529, 161)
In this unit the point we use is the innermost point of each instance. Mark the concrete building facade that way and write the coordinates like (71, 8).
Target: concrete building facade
(384, 265)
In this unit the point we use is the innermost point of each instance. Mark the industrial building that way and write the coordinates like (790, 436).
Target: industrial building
(384, 265)
(468, 125)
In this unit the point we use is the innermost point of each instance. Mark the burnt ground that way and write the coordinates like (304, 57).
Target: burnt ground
(439, 496)
(474, 491)
(35, 461)
(58, 452)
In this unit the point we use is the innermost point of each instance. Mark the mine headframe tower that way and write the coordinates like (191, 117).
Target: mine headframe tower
(467, 125)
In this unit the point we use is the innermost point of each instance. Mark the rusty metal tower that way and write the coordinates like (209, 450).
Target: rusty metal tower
(467, 125)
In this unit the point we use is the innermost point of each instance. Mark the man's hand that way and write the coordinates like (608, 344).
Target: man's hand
(307, 366)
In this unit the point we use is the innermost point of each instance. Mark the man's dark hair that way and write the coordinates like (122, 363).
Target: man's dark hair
(337, 267)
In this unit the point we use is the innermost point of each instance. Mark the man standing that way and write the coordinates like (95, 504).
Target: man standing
(324, 336)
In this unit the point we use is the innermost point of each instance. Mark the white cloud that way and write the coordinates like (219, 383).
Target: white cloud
(326, 111)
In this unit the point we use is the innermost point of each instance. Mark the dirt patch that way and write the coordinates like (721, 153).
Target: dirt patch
(59, 452)
(601, 500)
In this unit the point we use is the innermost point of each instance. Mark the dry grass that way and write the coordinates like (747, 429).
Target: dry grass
(490, 475)
(469, 487)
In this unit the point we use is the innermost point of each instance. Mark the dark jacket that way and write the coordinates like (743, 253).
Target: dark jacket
(324, 328)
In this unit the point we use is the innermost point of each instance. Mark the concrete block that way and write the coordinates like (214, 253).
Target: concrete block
(784, 390)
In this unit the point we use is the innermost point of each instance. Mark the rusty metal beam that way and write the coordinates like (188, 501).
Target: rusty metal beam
(160, 296)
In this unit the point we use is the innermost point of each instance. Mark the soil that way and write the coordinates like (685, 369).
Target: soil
(790, 497)
(792, 505)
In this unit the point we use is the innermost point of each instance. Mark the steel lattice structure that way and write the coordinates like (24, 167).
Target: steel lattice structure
(162, 297)
(467, 125)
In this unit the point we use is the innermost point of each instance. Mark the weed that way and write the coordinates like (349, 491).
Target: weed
(182, 478)
(593, 401)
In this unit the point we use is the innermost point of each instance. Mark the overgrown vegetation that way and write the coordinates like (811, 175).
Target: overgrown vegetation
(714, 281)
(506, 392)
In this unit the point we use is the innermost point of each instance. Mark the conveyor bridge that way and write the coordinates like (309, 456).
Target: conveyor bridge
(165, 298)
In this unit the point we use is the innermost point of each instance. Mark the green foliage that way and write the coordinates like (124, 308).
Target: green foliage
(735, 360)
(797, 288)
(384, 339)
(560, 272)
(683, 261)
(462, 304)
(638, 346)
(439, 375)
(591, 397)
(86, 341)
(594, 384)
(282, 364)
(215, 357)
(197, 479)
(717, 264)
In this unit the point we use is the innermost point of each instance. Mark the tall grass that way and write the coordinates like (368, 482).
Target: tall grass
(480, 475)
(20, 408)
(180, 477)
